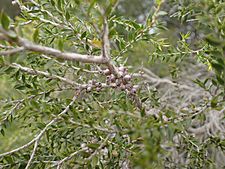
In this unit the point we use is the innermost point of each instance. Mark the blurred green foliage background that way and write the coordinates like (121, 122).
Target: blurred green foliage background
(171, 51)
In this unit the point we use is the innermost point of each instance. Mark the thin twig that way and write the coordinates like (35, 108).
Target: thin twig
(73, 67)
(46, 74)
(5, 47)
(11, 112)
(161, 80)
(106, 48)
(59, 163)
(63, 55)
(94, 127)
(53, 52)
(12, 51)
(18, 149)
(105, 40)
(99, 148)
(38, 138)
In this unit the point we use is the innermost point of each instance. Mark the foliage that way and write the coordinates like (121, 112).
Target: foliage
(78, 79)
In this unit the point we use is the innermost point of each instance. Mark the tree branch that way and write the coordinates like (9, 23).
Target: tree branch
(18, 149)
(158, 81)
(58, 54)
(99, 148)
(59, 163)
(105, 40)
(106, 48)
(46, 74)
(94, 127)
(5, 47)
(36, 140)
(71, 66)
(12, 51)
(51, 51)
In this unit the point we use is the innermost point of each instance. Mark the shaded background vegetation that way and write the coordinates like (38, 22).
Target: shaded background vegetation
(186, 48)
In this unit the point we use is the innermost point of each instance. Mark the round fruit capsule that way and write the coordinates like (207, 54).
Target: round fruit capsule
(106, 72)
(127, 77)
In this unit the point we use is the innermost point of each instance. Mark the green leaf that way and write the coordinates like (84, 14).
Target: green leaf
(143, 112)
(213, 40)
(94, 161)
(200, 83)
(59, 4)
(9, 159)
(2, 132)
(217, 66)
(49, 64)
(220, 80)
(144, 99)
(52, 2)
(84, 34)
(60, 44)
(35, 35)
(40, 125)
(214, 102)
(1, 60)
(158, 2)
(5, 21)
(77, 2)
(67, 15)
(93, 146)
(20, 87)
(91, 6)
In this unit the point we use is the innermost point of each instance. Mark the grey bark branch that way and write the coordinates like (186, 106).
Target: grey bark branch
(105, 40)
(59, 163)
(46, 74)
(63, 55)
(12, 51)
(36, 140)
(106, 48)
(18, 149)
(51, 51)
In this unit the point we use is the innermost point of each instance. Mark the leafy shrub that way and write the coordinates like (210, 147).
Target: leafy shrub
(80, 89)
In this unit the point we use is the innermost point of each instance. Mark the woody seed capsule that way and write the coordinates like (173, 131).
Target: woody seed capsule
(83, 86)
(123, 87)
(112, 78)
(98, 84)
(118, 82)
(121, 73)
(93, 82)
(122, 69)
(113, 85)
(107, 82)
(133, 91)
(89, 88)
(107, 72)
(136, 87)
(128, 86)
(98, 89)
(127, 77)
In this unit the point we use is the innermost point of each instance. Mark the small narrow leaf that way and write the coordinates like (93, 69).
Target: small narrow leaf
(5, 21)
(35, 35)
(67, 15)
(60, 44)
(52, 2)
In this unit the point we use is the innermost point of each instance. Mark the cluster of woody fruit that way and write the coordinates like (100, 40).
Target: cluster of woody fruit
(122, 82)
